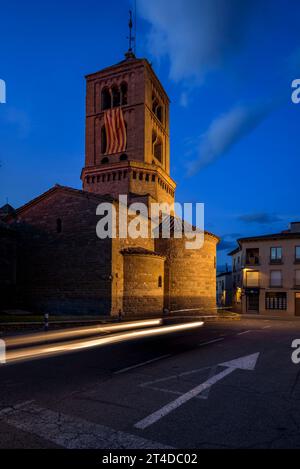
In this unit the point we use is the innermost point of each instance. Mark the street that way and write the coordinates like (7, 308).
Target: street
(228, 384)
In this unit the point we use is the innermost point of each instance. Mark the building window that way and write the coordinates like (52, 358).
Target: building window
(252, 256)
(59, 225)
(157, 108)
(252, 278)
(134, 175)
(276, 255)
(275, 278)
(297, 253)
(276, 300)
(297, 278)
(123, 157)
(158, 150)
(124, 92)
(160, 281)
(103, 140)
(105, 99)
(105, 160)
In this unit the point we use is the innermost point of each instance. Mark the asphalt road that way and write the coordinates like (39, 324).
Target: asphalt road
(161, 392)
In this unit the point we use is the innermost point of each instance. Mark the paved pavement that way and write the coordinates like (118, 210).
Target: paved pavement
(180, 391)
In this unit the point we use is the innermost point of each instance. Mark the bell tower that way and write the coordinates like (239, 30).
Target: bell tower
(127, 132)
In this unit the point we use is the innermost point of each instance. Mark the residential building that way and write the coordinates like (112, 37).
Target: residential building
(266, 273)
(224, 289)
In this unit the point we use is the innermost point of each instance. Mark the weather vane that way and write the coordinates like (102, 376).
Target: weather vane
(131, 38)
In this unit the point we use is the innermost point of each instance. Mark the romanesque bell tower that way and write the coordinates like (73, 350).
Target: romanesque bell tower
(127, 133)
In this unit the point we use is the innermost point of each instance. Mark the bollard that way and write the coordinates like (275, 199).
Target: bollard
(46, 322)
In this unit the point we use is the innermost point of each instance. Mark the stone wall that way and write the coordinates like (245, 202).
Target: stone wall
(190, 274)
(143, 284)
(63, 272)
(7, 266)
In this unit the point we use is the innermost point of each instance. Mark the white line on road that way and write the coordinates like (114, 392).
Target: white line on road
(211, 341)
(72, 432)
(244, 332)
(138, 365)
(246, 363)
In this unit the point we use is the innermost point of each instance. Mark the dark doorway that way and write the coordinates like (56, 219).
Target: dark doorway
(252, 301)
(297, 304)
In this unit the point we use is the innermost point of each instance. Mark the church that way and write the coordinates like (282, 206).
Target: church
(55, 262)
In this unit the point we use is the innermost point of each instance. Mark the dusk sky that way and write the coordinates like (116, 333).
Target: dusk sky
(227, 66)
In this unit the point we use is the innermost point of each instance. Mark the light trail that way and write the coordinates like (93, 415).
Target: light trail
(13, 356)
(76, 332)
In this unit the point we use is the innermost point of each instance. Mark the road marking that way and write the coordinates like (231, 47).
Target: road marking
(266, 327)
(245, 332)
(138, 365)
(245, 363)
(7, 410)
(72, 432)
(211, 341)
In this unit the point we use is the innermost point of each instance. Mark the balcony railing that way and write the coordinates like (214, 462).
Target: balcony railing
(276, 261)
(252, 261)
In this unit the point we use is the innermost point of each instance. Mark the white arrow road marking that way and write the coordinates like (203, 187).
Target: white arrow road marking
(245, 363)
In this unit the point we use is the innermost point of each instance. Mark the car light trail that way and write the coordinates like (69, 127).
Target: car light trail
(67, 347)
(69, 333)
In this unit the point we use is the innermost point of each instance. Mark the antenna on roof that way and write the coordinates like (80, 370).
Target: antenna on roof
(130, 53)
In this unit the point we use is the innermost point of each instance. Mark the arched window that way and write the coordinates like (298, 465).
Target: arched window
(124, 91)
(123, 157)
(103, 140)
(58, 225)
(105, 99)
(157, 108)
(159, 113)
(158, 150)
(160, 281)
(115, 95)
(105, 160)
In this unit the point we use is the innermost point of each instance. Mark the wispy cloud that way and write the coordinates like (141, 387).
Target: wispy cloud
(225, 131)
(196, 36)
(260, 218)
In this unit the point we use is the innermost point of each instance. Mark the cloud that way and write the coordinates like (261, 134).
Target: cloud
(225, 245)
(228, 241)
(196, 36)
(260, 218)
(225, 131)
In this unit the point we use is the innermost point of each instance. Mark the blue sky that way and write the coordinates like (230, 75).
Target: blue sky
(227, 66)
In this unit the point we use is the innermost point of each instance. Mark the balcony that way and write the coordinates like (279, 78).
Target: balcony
(250, 261)
(252, 257)
(276, 261)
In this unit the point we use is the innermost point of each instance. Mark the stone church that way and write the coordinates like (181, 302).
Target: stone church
(51, 258)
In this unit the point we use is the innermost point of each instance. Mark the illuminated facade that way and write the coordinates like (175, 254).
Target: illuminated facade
(63, 266)
(266, 273)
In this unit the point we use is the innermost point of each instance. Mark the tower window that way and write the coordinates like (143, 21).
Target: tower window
(157, 150)
(159, 113)
(123, 157)
(160, 281)
(115, 95)
(105, 99)
(124, 91)
(105, 160)
(103, 140)
(58, 225)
